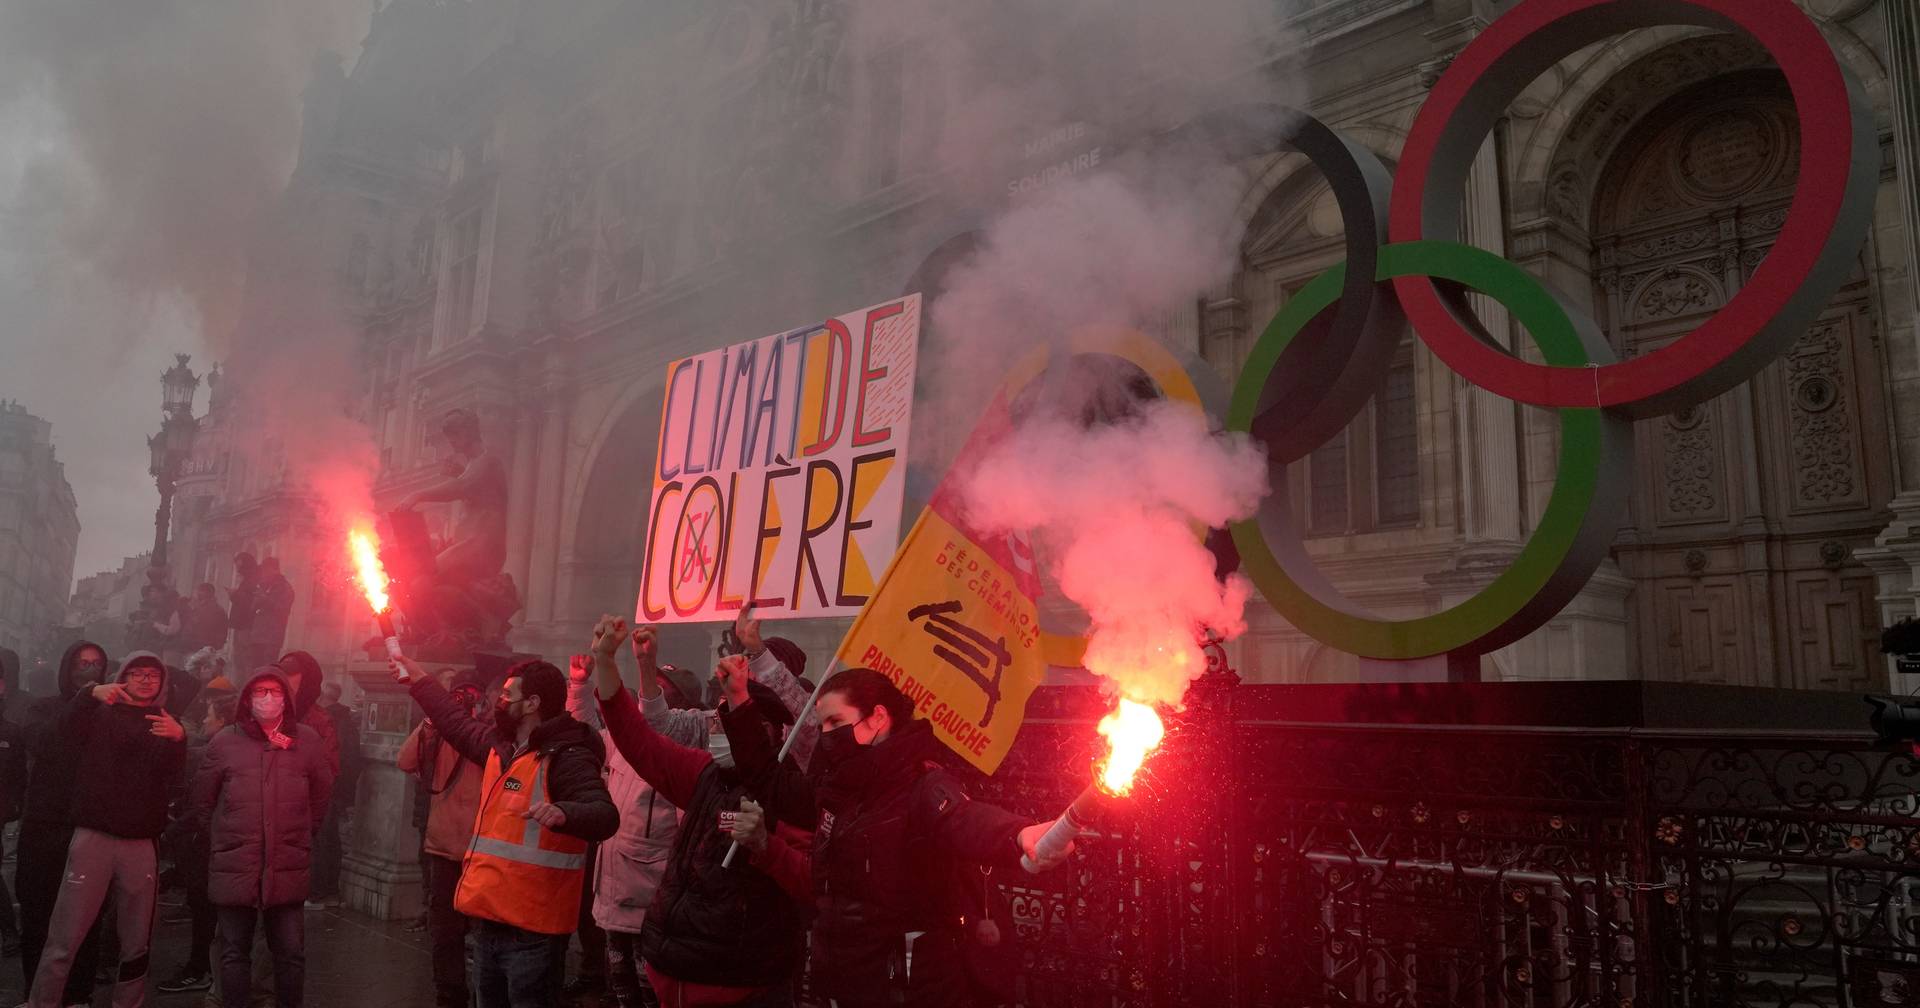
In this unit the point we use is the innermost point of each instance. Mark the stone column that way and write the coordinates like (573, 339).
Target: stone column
(1895, 555)
(520, 495)
(544, 564)
(1490, 467)
(1487, 453)
(1903, 64)
(380, 869)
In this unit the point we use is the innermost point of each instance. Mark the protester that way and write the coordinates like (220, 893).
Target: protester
(774, 663)
(242, 599)
(130, 751)
(215, 669)
(891, 827)
(629, 867)
(265, 787)
(46, 816)
(714, 935)
(780, 664)
(155, 625)
(272, 606)
(453, 781)
(327, 845)
(542, 801)
(303, 674)
(201, 681)
(206, 622)
(189, 843)
(13, 787)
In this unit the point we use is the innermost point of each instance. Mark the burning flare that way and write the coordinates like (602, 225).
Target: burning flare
(1150, 663)
(1132, 731)
(371, 575)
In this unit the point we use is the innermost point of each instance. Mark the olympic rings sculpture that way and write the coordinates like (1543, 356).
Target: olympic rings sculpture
(1308, 377)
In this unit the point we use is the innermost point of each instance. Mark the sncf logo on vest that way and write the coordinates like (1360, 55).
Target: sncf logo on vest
(511, 784)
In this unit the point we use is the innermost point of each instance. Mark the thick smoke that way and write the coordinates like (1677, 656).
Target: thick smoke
(143, 144)
(1118, 504)
(180, 121)
(1125, 247)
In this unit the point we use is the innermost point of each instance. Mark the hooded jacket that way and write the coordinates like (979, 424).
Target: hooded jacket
(306, 706)
(264, 805)
(52, 755)
(125, 771)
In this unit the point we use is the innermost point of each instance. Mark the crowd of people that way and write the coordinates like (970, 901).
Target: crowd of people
(706, 842)
(259, 604)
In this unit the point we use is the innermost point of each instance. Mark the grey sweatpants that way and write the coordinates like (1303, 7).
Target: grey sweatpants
(98, 865)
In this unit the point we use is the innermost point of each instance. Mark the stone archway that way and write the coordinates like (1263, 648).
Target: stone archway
(609, 530)
(1746, 510)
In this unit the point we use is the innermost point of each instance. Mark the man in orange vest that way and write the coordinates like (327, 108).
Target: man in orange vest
(542, 801)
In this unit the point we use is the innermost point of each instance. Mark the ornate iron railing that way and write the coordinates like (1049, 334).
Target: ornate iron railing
(1276, 863)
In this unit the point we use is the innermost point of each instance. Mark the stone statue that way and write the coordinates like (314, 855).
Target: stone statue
(464, 602)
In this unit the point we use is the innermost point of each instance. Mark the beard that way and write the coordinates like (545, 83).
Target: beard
(504, 722)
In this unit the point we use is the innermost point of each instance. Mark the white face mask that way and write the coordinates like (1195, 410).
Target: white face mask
(717, 744)
(268, 706)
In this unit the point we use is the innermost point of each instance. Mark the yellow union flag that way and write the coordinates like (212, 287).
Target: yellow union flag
(955, 622)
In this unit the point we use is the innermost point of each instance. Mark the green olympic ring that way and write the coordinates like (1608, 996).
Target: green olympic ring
(1572, 537)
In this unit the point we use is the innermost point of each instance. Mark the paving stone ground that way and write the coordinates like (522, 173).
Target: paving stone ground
(353, 961)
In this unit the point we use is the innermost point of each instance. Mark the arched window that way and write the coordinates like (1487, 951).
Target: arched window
(1367, 478)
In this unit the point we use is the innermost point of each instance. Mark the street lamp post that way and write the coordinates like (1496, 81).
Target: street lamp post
(170, 448)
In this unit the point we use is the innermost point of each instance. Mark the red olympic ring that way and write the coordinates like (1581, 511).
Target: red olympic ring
(1813, 255)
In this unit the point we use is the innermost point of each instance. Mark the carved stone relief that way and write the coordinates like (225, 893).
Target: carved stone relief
(1692, 202)
(1689, 465)
(1675, 292)
(1824, 437)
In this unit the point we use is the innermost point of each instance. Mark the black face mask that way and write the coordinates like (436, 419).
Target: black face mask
(838, 746)
(504, 720)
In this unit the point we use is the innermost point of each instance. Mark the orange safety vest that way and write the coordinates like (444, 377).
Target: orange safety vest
(516, 871)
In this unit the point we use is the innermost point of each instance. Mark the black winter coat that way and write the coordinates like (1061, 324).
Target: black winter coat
(893, 824)
(126, 773)
(265, 805)
(713, 925)
(53, 754)
(574, 753)
(13, 770)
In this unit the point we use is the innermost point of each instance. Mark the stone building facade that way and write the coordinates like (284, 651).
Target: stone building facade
(39, 535)
(533, 208)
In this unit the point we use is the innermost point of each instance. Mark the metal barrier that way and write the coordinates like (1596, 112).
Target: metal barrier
(1279, 863)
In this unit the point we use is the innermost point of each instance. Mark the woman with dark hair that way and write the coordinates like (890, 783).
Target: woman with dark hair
(893, 826)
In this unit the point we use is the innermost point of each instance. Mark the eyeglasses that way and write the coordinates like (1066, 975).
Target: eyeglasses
(145, 673)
